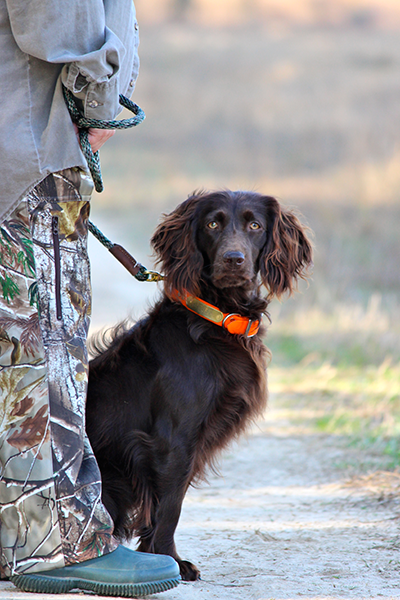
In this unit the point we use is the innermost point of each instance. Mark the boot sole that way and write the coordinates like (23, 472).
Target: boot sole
(55, 585)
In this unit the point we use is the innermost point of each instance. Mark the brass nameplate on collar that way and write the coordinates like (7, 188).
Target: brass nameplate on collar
(208, 312)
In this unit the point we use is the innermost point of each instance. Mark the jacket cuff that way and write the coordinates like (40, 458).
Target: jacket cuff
(100, 100)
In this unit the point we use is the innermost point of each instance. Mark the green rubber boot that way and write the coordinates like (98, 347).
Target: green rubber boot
(124, 572)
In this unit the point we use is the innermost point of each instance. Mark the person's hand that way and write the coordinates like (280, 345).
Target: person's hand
(97, 137)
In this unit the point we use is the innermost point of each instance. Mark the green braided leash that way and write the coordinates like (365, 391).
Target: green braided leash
(100, 236)
(83, 124)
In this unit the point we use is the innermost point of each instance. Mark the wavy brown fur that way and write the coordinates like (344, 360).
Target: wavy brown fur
(167, 395)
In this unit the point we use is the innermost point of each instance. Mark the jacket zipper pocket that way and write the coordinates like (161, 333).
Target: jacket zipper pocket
(57, 263)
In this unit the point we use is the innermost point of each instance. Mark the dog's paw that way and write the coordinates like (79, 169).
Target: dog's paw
(189, 572)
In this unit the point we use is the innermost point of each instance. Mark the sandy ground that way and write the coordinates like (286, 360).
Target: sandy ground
(283, 520)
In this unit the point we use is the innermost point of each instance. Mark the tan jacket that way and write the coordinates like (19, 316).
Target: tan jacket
(88, 45)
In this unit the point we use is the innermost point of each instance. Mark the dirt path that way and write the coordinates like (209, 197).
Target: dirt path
(285, 521)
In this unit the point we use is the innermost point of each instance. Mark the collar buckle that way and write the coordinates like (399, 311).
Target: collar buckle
(248, 328)
(234, 323)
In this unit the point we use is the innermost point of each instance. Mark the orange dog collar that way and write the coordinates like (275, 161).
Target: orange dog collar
(232, 322)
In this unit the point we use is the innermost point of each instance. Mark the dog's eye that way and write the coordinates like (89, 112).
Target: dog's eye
(255, 225)
(212, 225)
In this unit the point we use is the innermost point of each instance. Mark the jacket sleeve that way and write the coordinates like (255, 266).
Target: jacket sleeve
(76, 35)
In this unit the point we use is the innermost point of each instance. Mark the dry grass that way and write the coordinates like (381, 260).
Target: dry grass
(307, 115)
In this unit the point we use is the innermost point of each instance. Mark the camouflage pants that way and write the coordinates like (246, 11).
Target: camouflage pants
(51, 512)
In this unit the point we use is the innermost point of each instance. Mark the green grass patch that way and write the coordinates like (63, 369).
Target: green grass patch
(339, 348)
(359, 404)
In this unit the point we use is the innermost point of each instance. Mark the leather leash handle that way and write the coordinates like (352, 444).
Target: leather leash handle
(125, 259)
(133, 266)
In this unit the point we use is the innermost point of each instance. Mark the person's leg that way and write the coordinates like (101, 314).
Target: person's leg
(30, 535)
(59, 209)
(51, 510)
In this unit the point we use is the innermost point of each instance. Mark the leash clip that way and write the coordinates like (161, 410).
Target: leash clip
(153, 275)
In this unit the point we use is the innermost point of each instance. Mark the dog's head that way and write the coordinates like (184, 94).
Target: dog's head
(230, 240)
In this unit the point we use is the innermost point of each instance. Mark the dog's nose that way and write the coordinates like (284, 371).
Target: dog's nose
(234, 258)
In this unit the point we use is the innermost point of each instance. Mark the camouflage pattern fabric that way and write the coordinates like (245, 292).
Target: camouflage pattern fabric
(51, 514)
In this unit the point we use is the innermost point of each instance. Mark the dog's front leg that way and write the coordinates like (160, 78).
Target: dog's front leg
(170, 491)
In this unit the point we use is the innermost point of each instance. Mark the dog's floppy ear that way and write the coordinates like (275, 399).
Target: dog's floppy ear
(174, 242)
(287, 253)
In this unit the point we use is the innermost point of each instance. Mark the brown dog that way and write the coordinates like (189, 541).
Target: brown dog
(166, 395)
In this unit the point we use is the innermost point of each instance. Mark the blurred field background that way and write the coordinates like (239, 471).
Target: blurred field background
(294, 98)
